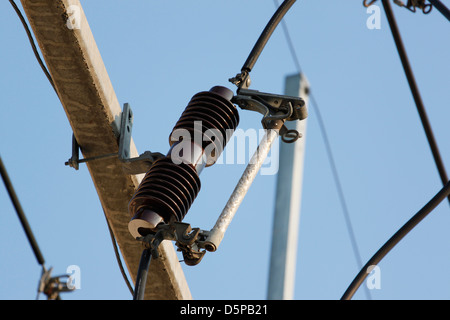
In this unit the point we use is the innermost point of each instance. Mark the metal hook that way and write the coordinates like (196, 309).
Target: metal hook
(427, 8)
(290, 136)
(287, 135)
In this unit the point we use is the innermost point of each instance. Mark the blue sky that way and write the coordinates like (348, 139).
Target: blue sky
(158, 56)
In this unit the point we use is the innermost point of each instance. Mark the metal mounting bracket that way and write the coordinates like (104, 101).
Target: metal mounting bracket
(132, 166)
(53, 286)
(189, 241)
(273, 107)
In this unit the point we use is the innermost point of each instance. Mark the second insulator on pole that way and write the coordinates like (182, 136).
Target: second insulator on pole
(171, 185)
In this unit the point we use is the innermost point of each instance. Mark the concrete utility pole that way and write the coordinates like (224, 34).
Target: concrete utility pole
(87, 95)
(287, 203)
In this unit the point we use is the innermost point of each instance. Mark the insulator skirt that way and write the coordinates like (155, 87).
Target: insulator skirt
(214, 112)
(168, 189)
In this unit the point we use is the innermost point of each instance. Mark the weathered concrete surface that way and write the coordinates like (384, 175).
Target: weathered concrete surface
(93, 110)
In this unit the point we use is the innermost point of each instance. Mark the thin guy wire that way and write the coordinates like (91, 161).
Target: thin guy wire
(328, 150)
(116, 252)
(33, 45)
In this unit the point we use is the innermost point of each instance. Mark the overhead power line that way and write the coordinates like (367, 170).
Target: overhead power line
(441, 8)
(438, 198)
(265, 35)
(396, 238)
(21, 214)
(415, 92)
(242, 79)
(51, 286)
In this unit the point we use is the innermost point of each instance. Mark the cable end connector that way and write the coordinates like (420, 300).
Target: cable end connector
(241, 80)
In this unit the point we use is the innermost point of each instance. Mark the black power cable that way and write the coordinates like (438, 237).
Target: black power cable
(33, 45)
(116, 252)
(21, 214)
(141, 278)
(51, 286)
(399, 235)
(265, 35)
(242, 78)
(415, 91)
(441, 8)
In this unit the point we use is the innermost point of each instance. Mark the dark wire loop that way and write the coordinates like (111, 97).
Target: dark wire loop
(365, 4)
(427, 8)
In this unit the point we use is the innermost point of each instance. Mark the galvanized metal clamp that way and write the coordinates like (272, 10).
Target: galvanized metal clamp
(189, 241)
(273, 107)
(411, 5)
(132, 166)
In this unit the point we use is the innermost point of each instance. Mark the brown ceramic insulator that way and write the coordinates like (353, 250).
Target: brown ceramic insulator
(171, 185)
(167, 189)
(212, 110)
